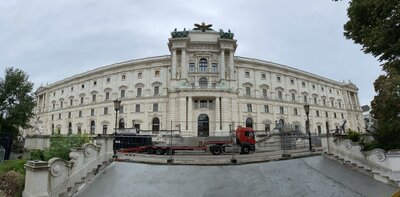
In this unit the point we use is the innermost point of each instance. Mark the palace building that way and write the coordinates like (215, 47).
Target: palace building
(201, 88)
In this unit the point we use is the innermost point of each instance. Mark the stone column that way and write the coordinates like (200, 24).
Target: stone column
(184, 66)
(173, 69)
(222, 62)
(191, 128)
(36, 179)
(231, 66)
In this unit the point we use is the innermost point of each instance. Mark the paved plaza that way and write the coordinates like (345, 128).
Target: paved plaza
(311, 176)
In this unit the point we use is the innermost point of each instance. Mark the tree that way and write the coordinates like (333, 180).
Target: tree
(375, 24)
(16, 101)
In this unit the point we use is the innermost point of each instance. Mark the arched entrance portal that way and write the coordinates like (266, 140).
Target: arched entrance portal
(203, 126)
(249, 122)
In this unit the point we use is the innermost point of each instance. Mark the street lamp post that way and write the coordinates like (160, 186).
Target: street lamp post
(307, 110)
(117, 106)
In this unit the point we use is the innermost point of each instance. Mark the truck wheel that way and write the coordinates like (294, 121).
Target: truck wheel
(216, 150)
(159, 151)
(149, 151)
(245, 150)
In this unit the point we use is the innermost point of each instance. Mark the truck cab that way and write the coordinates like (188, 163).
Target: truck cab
(245, 138)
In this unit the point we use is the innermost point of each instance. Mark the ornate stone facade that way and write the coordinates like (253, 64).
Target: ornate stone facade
(202, 88)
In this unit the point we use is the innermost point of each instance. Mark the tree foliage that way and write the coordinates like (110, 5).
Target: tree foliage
(375, 24)
(16, 101)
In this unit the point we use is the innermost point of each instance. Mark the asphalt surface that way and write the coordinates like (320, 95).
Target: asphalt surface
(312, 176)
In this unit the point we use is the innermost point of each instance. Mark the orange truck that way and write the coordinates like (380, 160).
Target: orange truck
(244, 139)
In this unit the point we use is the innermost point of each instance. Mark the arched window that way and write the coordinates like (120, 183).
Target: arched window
(121, 124)
(203, 82)
(92, 127)
(249, 122)
(69, 128)
(156, 124)
(203, 65)
(280, 95)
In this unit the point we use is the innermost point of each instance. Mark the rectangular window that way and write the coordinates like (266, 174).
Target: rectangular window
(107, 95)
(156, 90)
(61, 104)
(82, 100)
(83, 86)
(340, 104)
(324, 102)
(305, 98)
(281, 110)
(203, 104)
(123, 77)
(334, 114)
(139, 92)
(108, 80)
(105, 110)
(266, 108)
(62, 91)
(264, 92)
(92, 112)
(317, 113)
(104, 129)
(295, 111)
(139, 75)
(263, 76)
(93, 98)
(121, 109)
(52, 117)
(332, 103)
(155, 106)
(94, 83)
(137, 108)
(71, 102)
(191, 67)
(342, 116)
(59, 116)
(122, 93)
(214, 67)
(69, 114)
(247, 74)
(72, 89)
(54, 105)
(303, 84)
(247, 91)
(249, 108)
(267, 127)
(278, 79)
(326, 114)
(293, 97)
(292, 81)
(315, 100)
(80, 114)
(156, 73)
(196, 104)
(313, 87)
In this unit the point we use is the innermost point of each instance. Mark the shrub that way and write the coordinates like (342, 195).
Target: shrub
(353, 135)
(60, 146)
(37, 155)
(12, 183)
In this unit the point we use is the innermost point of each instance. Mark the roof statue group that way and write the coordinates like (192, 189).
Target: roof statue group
(201, 27)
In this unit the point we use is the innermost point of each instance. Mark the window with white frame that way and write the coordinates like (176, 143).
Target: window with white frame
(249, 108)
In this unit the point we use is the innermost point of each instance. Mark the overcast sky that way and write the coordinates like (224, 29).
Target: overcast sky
(55, 39)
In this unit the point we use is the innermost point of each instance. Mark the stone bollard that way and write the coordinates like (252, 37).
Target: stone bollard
(36, 179)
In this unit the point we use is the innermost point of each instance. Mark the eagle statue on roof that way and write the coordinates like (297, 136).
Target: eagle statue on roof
(203, 27)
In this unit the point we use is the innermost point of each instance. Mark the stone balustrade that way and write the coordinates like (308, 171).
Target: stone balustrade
(383, 166)
(58, 177)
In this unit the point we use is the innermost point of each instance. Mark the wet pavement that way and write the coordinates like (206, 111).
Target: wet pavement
(311, 176)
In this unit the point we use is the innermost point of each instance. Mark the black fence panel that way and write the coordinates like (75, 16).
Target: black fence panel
(6, 140)
(131, 140)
